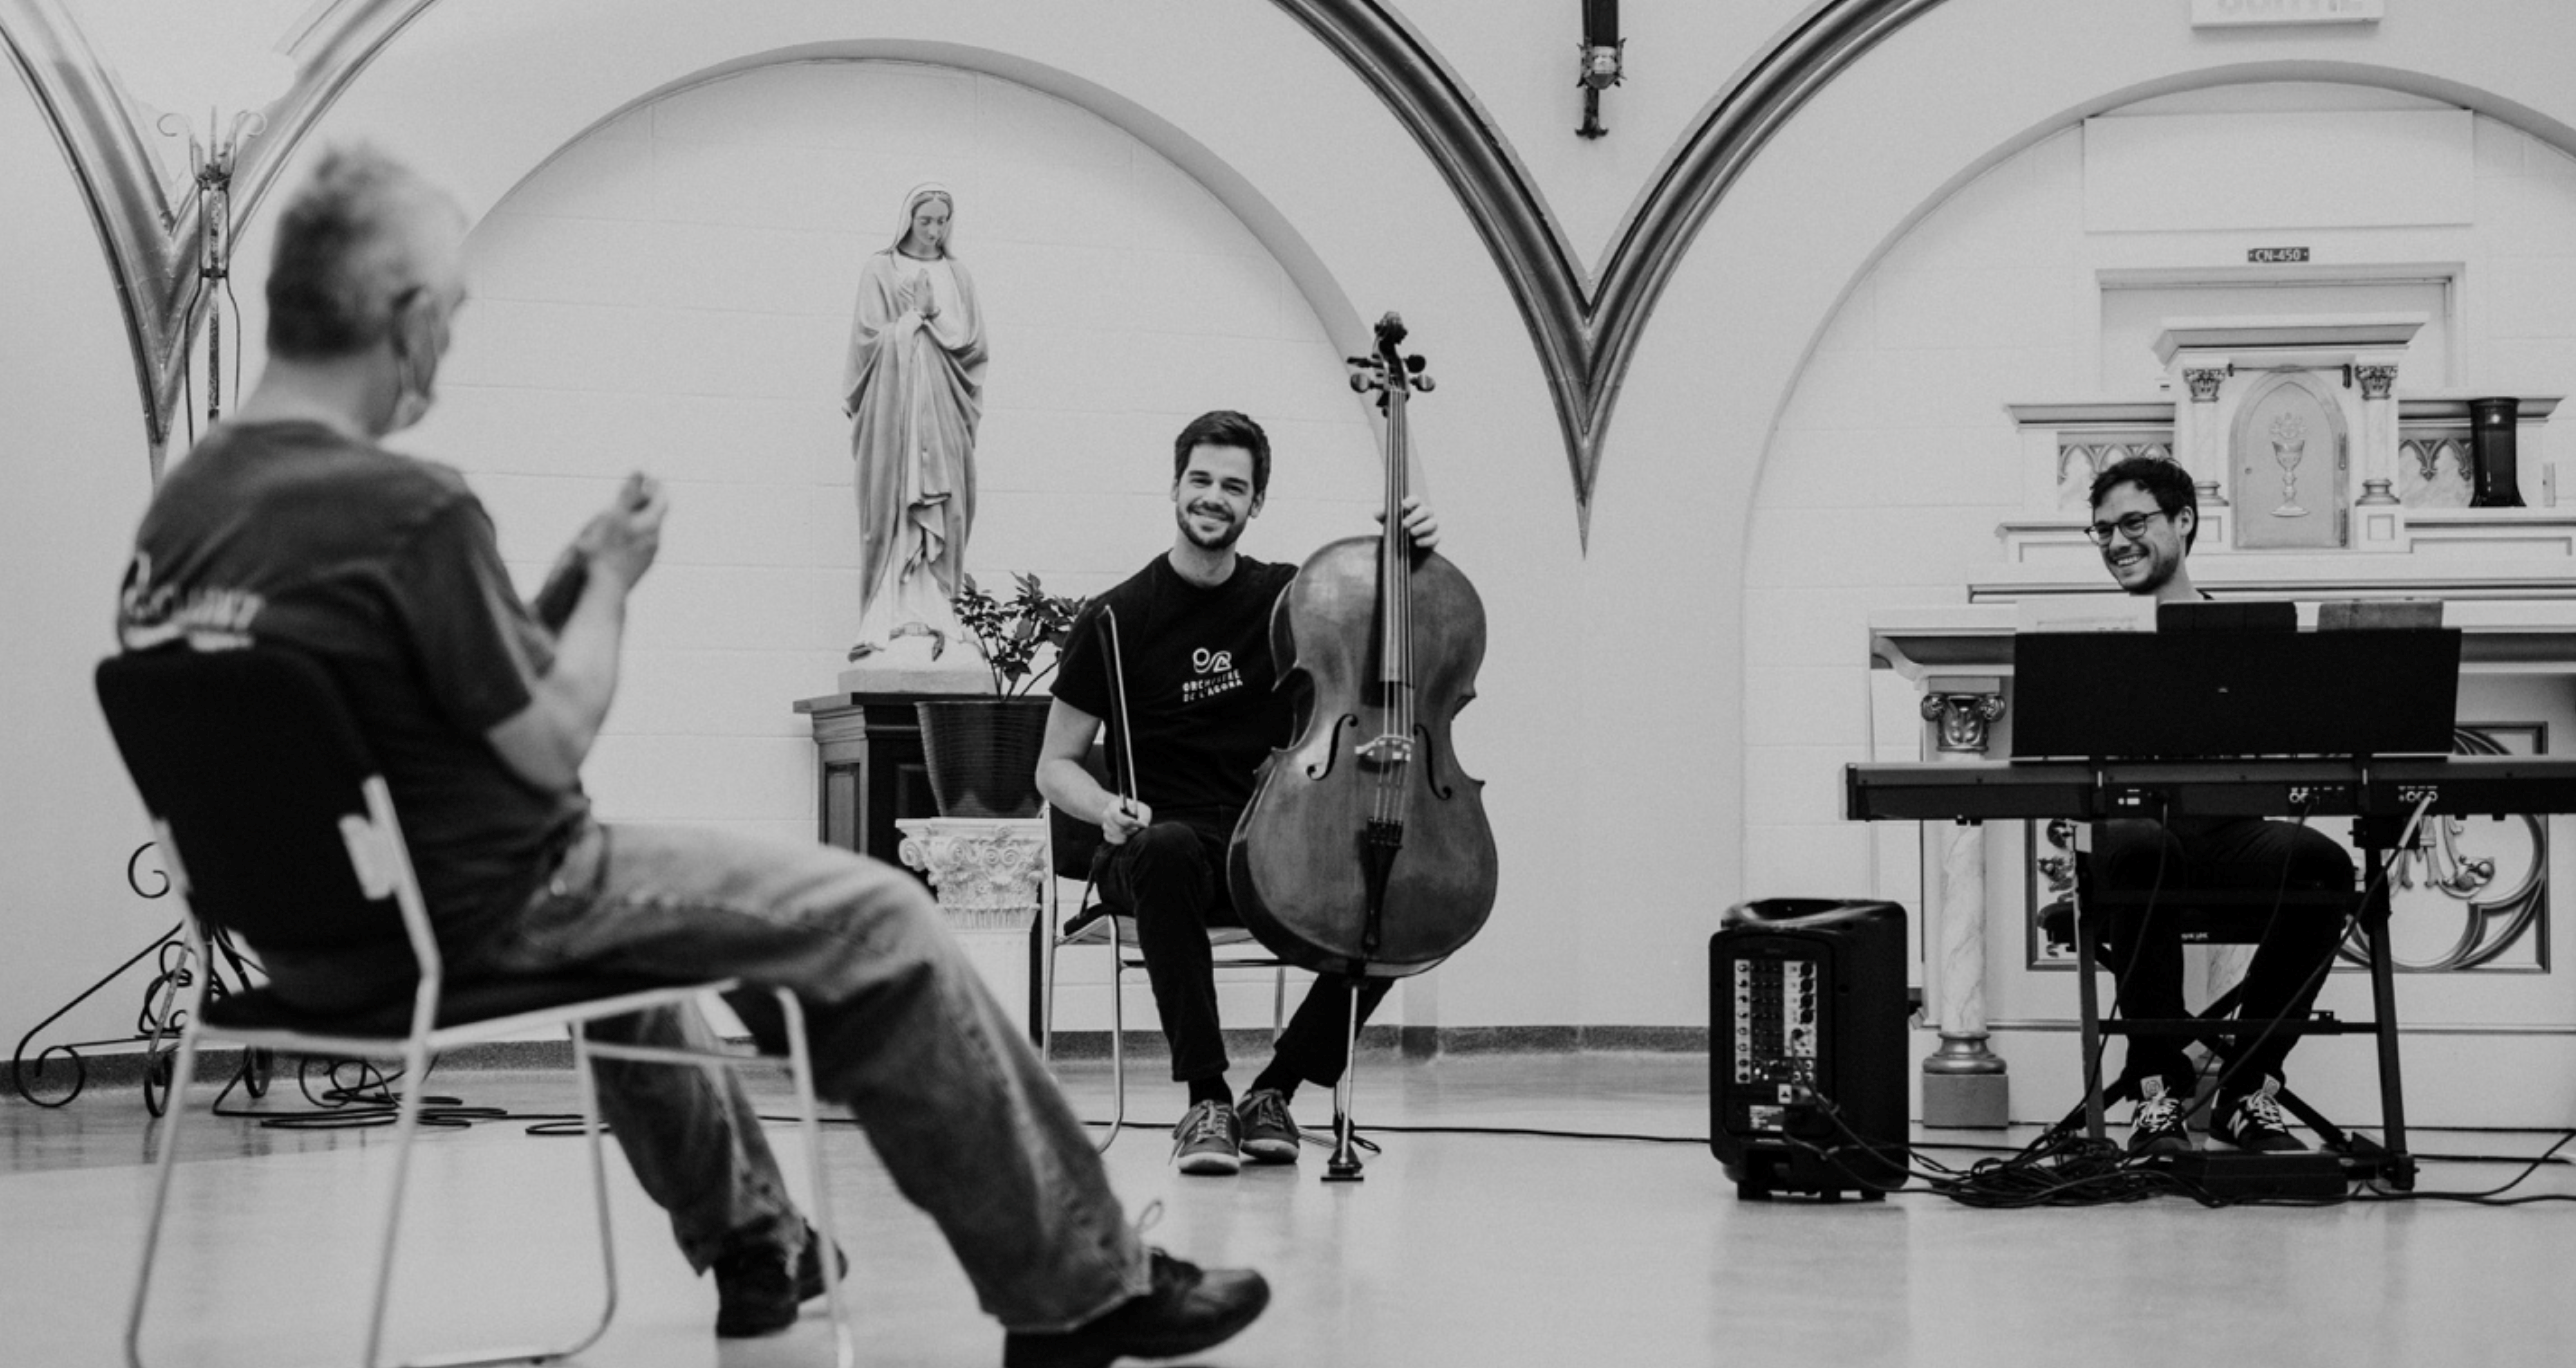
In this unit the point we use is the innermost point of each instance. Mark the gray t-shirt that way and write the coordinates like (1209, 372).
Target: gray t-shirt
(384, 568)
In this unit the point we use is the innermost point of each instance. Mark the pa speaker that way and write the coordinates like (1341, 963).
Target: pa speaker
(1807, 1085)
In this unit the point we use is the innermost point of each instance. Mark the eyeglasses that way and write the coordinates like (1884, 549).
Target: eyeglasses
(2132, 526)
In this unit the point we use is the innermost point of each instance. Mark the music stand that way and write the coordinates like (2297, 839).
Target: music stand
(2229, 693)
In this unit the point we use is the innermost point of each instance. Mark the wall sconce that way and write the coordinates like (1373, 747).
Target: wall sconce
(1601, 50)
(211, 164)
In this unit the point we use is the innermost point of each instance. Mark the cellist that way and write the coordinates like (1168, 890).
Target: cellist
(1194, 643)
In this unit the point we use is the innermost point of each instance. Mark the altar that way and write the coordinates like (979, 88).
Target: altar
(2316, 483)
(2480, 990)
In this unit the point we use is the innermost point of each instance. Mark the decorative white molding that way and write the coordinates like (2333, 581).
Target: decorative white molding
(991, 876)
(2499, 635)
(989, 872)
(2329, 339)
(1961, 718)
(2284, 13)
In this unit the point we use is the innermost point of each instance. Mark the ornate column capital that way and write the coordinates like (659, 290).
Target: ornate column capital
(2204, 382)
(989, 872)
(1962, 715)
(2376, 381)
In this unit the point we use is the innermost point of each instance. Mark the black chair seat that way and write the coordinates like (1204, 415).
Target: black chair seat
(461, 1004)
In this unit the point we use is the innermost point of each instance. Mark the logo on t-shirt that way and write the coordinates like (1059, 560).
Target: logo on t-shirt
(1215, 675)
(208, 618)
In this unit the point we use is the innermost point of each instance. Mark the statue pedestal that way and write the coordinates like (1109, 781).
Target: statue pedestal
(907, 666)
(990, 875)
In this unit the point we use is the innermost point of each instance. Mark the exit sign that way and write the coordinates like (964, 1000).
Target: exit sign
(2273, 256)
(2241, 13)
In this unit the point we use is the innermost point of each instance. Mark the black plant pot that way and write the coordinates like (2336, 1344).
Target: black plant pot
(983, 754)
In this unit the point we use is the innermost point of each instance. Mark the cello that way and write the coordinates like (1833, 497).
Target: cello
(1365, 851)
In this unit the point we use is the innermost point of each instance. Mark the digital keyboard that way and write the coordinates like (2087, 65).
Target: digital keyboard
(1982, 790)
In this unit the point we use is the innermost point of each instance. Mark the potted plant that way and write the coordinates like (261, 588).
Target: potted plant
(983, 752)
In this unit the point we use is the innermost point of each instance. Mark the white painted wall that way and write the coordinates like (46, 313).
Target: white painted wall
(1635, 694)
(72, 444)
(673, 291)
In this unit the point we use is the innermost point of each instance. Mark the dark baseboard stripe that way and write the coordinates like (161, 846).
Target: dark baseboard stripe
(124, 1069)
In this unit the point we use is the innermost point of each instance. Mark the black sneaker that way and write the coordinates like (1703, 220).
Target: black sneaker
(2156, 1127)
(1270, 1134)
(1187, 1310)
(756, 1294)
(2254, 1122)
(1205, 1142)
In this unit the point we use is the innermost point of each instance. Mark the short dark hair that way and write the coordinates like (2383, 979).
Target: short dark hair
(347, 248)
(2165, 481)
(1225, 428)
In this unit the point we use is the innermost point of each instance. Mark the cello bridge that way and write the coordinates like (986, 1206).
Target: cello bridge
(1387, 750)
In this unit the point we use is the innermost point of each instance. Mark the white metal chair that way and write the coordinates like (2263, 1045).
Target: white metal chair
(1074, 851)
(274, 823)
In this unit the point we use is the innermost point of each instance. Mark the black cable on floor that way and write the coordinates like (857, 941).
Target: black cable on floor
(356, 1095)
(2066, 1168)
(2056, 1169)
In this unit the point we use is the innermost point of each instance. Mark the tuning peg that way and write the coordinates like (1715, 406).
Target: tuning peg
(1413, 364)
(1360, 383)
(1424, 383)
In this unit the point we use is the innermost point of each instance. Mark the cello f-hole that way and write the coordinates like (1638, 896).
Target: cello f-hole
(1333, 745)
(1431, 764)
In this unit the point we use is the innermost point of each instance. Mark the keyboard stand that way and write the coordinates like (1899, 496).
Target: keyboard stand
(2363, 1159)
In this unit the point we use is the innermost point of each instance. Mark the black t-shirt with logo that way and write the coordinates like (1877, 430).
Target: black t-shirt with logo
(385, 569)
(1201, 683)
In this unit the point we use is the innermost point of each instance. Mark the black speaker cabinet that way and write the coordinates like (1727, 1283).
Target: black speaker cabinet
(1807, 1086)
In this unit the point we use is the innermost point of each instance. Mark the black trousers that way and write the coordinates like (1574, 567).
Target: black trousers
(1172, 875)
(2241, 854)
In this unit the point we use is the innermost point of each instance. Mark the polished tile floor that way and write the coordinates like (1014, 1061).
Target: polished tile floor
(1460, 1249)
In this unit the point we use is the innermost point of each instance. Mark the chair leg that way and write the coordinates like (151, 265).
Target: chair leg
(588, 1090)
(181, 1075)
(1046, 1023)
(406, 1127)
(1117, 1038)
(800, 1064)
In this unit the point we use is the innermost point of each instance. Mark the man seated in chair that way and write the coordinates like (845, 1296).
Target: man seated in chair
(1202, 702)
(290, 526)
(2145, 516)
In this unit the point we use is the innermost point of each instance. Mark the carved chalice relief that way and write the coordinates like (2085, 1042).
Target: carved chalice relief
(2289, 447)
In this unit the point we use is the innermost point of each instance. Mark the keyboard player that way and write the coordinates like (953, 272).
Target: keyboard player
(2144, 519)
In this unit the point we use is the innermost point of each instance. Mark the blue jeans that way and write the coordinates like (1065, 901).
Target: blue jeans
(904, 1033)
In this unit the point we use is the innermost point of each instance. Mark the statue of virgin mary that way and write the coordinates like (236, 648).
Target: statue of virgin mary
(913, 391)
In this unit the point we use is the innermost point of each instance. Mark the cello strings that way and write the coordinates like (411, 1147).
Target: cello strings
(1396, 645)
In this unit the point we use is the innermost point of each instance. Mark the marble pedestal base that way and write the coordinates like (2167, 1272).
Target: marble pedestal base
(1965, 1086)
(1967, 1101)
